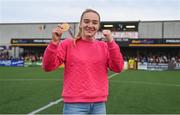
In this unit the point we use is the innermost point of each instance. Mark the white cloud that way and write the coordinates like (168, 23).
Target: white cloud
(70, 10)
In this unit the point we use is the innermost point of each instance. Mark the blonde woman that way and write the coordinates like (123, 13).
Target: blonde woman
(85, 85)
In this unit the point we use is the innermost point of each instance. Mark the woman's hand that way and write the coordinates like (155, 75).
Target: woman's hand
(108, 36)
(58, 31)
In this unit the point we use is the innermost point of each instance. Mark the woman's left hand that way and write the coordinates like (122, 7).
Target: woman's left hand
(108, 36)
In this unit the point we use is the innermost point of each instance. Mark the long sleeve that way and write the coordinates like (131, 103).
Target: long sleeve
(86, 67)
(115, 58)
(54, 56)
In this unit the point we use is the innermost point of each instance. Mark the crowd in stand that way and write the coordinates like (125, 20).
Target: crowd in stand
(155, 59)
(4, 55)
(33, 58)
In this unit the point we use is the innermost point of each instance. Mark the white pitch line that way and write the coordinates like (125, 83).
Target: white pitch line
(112, 75)
(30, 79)
(61, 99)
(45, 107)
(149, 83)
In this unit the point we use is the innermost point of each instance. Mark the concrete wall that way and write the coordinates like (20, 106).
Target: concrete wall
(172, 29)
(150, 30)
(146, 29)
(9, 31)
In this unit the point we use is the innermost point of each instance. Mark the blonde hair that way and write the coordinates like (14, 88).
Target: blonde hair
(78, 36)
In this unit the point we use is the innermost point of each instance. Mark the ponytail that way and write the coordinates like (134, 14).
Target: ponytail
(77, 37)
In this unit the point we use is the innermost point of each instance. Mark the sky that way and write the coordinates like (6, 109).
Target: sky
(35, 11)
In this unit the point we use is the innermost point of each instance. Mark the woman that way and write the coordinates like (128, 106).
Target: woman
(85, 86)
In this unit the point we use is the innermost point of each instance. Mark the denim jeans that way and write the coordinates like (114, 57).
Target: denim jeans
(85, 108)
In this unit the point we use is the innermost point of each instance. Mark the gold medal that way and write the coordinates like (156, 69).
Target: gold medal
(65, 27)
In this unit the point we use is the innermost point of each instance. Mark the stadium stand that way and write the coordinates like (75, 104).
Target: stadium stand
(147, 44)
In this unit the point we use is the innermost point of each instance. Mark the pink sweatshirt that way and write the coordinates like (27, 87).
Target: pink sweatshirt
(86, 67)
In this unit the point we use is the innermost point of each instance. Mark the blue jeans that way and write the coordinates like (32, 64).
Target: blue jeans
(84, 108)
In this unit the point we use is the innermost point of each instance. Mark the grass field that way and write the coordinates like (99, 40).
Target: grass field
(23, 90)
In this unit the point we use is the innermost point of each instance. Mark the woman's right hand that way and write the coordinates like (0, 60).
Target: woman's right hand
(57, 33)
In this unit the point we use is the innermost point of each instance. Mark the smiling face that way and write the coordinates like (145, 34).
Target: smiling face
(89, 25)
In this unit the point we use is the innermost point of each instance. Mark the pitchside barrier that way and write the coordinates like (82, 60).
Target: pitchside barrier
(131, 64)
(134, 65)
(21, 63)
(13, 63)
(158, 66)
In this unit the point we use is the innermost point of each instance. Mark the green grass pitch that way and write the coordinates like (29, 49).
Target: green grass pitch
(25, 89)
